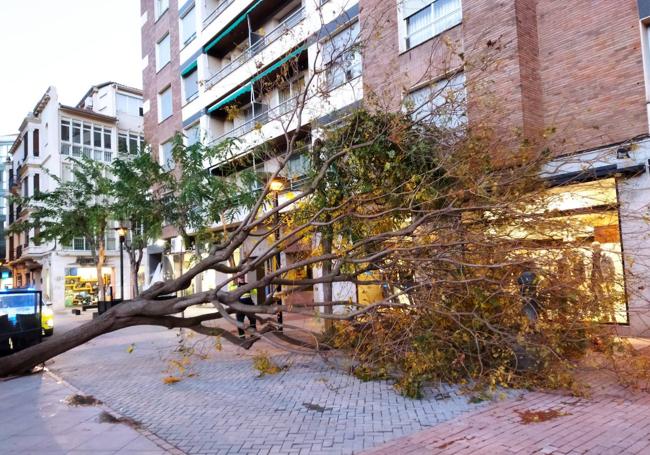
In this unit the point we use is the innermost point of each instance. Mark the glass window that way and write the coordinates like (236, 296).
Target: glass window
(79, 243)
(107, 139)
(442, 103)
(188, 27)
(122, 143)
(166, 159)
(165, 104)
(87, 134)
(97, 137)
(193, 134)
(65, 130)
(426, 18)
(342, 57)
(76, 132)
(163, 52)
(128, 104)
(191, 85)
(133, 144)
(160, 6)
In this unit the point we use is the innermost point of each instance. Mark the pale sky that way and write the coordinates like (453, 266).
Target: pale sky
(71, 44)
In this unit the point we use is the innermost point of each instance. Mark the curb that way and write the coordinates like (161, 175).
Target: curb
(164, 445)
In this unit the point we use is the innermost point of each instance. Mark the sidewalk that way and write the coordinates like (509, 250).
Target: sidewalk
(36, 419)
(613, 421)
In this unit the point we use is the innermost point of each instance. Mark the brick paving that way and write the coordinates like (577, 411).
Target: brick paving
(611, 421)
(314, 408)
(310, 408)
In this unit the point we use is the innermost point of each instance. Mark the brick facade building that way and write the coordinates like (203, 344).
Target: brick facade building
(528, 67)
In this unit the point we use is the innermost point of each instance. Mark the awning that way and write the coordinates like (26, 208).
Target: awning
(278, 64)
(249, 85)
(232, 26)
(231, 97)
(189, 69)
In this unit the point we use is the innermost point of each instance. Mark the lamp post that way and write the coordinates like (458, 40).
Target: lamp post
(122, 231)
(276, 186)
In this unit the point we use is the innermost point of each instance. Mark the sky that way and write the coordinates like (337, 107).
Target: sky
(70, 44)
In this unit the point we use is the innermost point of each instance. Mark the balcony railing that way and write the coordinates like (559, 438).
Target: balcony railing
(265, 41)
(244, 128)
(259, 120)
(220, 8)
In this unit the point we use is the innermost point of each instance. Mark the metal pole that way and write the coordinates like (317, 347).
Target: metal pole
(121, 267)
(276, 203)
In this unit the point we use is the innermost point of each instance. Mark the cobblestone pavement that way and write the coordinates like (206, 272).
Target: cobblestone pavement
(36, 419)
(612, 421)
(226, 408)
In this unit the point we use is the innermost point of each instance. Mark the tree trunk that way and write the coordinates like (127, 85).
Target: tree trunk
(101, 259)
(327, 286)
(23, 361)
(135, 259)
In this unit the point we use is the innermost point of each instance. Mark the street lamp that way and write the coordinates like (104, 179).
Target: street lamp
(277, 185)
(121, 232)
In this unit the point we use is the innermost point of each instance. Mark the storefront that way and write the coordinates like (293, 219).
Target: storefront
(82, 287)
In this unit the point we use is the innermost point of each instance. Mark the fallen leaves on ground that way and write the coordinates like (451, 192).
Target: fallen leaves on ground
(530, 416)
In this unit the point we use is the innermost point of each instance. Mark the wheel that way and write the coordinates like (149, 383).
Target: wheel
(48, 332)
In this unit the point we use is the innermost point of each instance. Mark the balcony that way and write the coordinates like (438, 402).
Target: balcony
(262, 43)
(266, 116)
(218, 9)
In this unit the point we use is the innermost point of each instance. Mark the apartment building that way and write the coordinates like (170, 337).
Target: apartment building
(222, 79)
(106, 122)
(577, 70)
(6, 141)
(570, 75)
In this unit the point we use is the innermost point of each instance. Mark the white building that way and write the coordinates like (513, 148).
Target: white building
(225, 59)
(107, 121)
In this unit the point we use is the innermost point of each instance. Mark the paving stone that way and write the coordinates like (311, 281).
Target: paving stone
(227, 408)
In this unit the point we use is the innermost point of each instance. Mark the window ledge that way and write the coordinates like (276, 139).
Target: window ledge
(160, 16)
(192, 97)
(163, 67)
(189, 41)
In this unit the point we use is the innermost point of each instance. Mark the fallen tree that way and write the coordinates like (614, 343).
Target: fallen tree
(469, 268)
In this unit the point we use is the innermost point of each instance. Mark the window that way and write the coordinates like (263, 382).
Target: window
(288, 95)
(79, 244)
(163, 52)
(37, 184)
(87, 138)
(129, 105)
(129, 142)
(428, 18)
(191, 86)
(25, 145)
(341, 57)
(193, 134)
(36, 142)
(188, 27)
(160, 6)
(166, 158)
(442, 103)
(165, 104)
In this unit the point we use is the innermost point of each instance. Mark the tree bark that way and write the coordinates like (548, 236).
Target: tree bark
(25, 360)
(101, 259)
(327, 286)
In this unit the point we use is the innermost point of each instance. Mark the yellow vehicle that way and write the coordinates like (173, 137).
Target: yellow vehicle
(47, 320)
